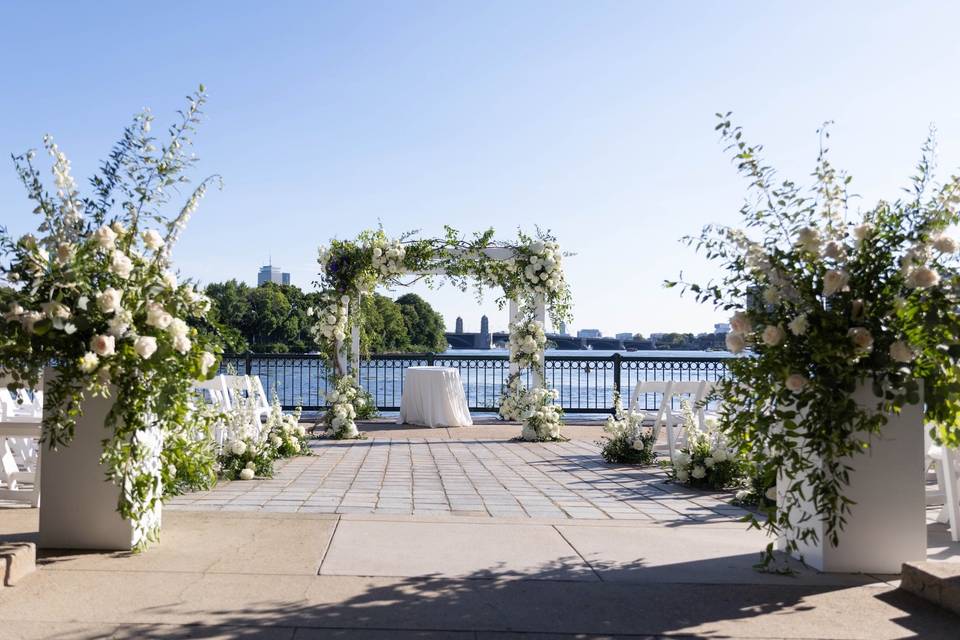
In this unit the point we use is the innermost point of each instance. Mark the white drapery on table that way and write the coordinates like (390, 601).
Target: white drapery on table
(433, 397)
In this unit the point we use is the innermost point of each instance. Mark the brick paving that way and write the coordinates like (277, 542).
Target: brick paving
(480, 477)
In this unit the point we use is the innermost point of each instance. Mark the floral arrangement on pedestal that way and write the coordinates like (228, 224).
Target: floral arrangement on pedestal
(528, 271)
(707, 460)
(826, 302)
(94, 293)
(628, 441)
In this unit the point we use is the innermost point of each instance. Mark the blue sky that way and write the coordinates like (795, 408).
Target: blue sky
(592, 119)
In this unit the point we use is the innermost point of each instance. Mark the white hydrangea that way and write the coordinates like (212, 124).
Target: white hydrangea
(388, 258)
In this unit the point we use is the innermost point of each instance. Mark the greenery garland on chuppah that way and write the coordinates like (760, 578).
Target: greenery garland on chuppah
(529, 271)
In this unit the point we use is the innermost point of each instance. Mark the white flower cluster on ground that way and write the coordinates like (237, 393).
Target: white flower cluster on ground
(542, 417)
(512, 400)
(388, 258)
(331, 317)
(344, 401)
(628, 425)
(527, 342)
(708, 458)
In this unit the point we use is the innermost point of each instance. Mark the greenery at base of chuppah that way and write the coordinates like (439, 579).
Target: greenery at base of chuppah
(827, 300)
(351, 270)
(94, 293)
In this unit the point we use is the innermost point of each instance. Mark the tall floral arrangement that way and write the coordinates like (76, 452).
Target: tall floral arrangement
(825, 301)
(95, 293)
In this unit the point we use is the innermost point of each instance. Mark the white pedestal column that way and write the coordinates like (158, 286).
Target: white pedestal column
(887, 525)
(78, 509)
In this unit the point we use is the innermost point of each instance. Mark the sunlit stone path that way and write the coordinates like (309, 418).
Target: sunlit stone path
(469, 477)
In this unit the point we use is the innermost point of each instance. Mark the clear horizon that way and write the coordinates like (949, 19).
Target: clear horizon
(594, 121)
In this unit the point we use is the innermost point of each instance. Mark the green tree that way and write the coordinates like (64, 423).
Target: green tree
(383, 327)
(424, 325)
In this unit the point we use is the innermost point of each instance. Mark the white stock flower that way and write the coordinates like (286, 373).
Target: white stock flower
(103, 345)
(834, 281)
(698, 472)
(799, 325)
(773, 335)
(735, 342)
(152, 239)
(121, 265)
(105, 237)
(902, 352)
(808, 239)
(145, 346)
(861, 338)
(109, 300)
(796, 382)
(89, 362)
(246, 473)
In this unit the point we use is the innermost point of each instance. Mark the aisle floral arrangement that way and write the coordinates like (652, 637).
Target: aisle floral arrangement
(531, 272)
(95, 293)
(250, 448)
(627, 441)
(707, 460)
(825, 301)
(347, 402)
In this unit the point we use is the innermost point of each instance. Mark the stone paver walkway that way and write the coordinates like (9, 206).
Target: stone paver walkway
(474, 477)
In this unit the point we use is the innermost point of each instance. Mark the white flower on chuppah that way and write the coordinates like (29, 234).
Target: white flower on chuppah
(773, 335)
(103, 345)
(145, 346)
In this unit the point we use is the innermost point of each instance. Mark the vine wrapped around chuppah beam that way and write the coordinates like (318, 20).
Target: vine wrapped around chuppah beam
(528, 271)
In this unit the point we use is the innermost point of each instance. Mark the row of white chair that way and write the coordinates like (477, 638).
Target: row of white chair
(945, 463)
(229, 392)
(694, 391)
(20, 416)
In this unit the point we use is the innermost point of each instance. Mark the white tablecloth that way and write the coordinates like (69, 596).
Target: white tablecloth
(433, 397)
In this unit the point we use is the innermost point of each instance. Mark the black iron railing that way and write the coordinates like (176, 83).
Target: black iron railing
(586, 383)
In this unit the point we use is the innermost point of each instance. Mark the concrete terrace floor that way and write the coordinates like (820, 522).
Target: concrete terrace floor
(453, 534)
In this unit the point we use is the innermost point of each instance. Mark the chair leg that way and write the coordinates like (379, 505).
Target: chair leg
(950, 490)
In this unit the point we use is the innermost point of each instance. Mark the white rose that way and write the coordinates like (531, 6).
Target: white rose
(945, 244)
(923, 278)
(735, 342)
(145, 346)
(861, 338)
(121, 265)
(833, 250)
(246, 474)
(105, 237)
(238, 447)
(182, 344)
(178, 328)
(834, 281)
(109, 300)
(773, 335)
(796, 382)
(153, 239)
(799, 325)
(740, 323)
(902, 352)
(207, 360)
(89, 362)
(118, 325)
(771, 295)
(103, 346)
(698, 472)
(377, 252)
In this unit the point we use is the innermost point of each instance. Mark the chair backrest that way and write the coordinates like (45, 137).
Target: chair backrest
(216, 389)
(262, 399)
(645, 387)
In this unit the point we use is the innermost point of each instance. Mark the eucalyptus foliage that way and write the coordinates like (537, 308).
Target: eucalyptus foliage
(95, 295)
(825, 301)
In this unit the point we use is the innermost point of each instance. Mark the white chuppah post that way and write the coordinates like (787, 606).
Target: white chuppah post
(540, 313)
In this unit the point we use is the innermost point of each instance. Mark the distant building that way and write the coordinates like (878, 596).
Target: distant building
(484, 326)
(721, 327)
(624, 336)
(459, 325)
(589, 333)
(270, 273)
(563, 329)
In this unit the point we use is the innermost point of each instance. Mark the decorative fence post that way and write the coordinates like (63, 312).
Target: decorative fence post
(617, 358)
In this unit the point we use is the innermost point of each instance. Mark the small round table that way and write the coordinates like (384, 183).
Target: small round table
(433, 397)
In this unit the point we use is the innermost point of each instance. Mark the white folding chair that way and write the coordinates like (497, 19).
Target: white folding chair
(693, 389)
(214, 391)
(20, 432)
(661, 387)
(946, 465)
(242, 393)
